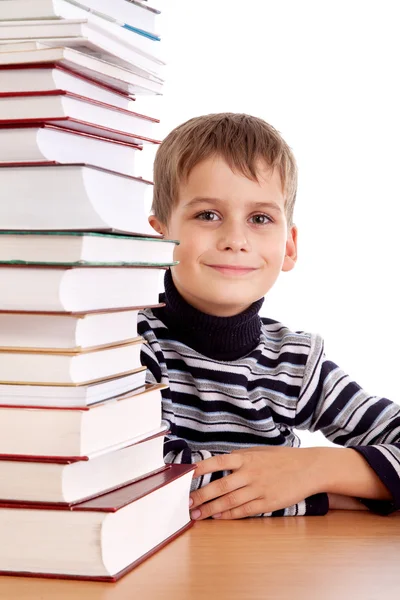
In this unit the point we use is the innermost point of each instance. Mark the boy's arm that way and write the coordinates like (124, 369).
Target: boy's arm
(347, 415)
(177, 450)
(367, 468)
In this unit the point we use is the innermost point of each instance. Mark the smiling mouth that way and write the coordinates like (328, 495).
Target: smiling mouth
(232, 270)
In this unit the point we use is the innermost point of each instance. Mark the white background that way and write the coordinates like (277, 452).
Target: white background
(326, 75)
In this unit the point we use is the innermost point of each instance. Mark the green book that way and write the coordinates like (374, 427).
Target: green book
(71, 248)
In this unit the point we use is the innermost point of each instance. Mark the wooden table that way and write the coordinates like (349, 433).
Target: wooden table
(346, 555)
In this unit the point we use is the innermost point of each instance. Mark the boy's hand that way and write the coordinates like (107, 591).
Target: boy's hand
(262, 480)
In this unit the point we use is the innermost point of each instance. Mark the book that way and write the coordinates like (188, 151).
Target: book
(96, 35)
(59, 78)
(33, 55)
(68, 481)
(78, 247)
(60, 107)
(73, 197)
(71, 395)
(54, 144)
(34, 432)
(101, 539)
(64, 367)
(77, 289)
(132, 13)
(92, 22)
(63, 331)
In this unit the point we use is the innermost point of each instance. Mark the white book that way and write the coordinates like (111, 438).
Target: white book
(124, 78)
(58, 78)
(49, 143)
(78, 44)
(63, 367)
(53, 332)
(69, 11)
(75, 480)
(79, 432)
(101, 539)
(72, 197)
(58, 247)
(71, 395)
(132, 13)
(77, 289)
(95, 34)
(63, 108)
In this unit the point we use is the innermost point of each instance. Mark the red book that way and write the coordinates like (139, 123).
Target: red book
(67, 481)
(30, 55)
(101, 539)
(80, 113)
(45, 78)
(45, 143)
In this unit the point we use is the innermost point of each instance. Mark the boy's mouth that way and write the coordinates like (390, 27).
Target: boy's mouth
(232, 269)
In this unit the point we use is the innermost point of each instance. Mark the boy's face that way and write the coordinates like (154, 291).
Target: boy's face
(234, 239)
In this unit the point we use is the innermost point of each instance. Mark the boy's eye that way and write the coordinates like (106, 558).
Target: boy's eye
(207, 215)
(260, 219)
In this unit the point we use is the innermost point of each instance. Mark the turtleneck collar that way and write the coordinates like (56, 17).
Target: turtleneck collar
(220, 338)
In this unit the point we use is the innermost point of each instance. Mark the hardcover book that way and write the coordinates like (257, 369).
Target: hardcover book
(101, 539)
(44, 432)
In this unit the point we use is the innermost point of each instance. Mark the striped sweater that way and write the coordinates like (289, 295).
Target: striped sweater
(246, 381)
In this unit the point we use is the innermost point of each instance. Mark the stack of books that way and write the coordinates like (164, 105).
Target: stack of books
(84, 491)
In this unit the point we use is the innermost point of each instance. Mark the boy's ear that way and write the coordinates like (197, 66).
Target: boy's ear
(155, 224)
(291, 250)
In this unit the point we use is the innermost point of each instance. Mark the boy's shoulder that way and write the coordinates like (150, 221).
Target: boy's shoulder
(280, 332)
(300, 348)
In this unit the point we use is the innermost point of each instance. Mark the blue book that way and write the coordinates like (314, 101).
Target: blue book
(156, 38)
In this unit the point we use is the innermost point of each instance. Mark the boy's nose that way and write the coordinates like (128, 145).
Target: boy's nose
(234, 238)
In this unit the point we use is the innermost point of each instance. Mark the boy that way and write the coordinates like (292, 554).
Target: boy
(225, 187)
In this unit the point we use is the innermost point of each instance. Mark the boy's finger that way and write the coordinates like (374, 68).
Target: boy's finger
(215, 489)
(249, 509)
(221, 462)
(224, 504)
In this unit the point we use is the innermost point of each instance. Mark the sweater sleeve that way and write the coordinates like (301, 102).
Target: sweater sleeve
(347, 415)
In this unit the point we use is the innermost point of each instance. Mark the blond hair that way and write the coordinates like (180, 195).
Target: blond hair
(240, 139)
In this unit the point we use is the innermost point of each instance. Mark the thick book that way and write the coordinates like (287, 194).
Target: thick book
(55, 78)
(131, 13)
(71, 480)
(95, 35)
(73, 396)
(59, 145)
(76, 112)
(65, 367)
(34, 55)
(64, 331)
(34, 432)
(53, 247)
(73, 197)
(101, 539)
(77, 289)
